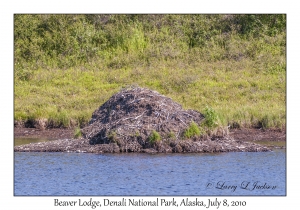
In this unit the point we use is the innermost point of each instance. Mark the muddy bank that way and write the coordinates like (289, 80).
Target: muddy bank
(243, 134)
(66, 143)
(180, 146)
(247, 134)
(53, 133)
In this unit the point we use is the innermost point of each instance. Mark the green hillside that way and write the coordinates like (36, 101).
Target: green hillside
(66, 66)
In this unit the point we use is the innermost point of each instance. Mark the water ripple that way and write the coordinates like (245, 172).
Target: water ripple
(143, 174)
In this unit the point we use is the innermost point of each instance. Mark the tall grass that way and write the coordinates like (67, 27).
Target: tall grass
(66, 66)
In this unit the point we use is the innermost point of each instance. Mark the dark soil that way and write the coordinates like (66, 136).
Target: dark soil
(126, 123)
(246, 134)
(54, 133)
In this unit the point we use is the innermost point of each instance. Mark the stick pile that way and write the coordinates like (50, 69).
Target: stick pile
(131, 115)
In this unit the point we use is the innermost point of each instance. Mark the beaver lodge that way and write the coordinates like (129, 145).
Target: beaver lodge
(141, 120)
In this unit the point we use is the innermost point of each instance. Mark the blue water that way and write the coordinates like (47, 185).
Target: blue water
(261, 173)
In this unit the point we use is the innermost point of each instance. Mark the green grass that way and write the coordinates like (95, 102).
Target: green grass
(211, 117)
(192, 131)
(66, 66)
(112, 136)
(154, 137)
(77, 133)
(171, 135)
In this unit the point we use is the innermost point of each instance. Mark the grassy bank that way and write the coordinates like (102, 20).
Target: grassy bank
(66, 66)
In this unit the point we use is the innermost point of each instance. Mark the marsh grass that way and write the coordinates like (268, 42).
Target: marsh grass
(66, 66)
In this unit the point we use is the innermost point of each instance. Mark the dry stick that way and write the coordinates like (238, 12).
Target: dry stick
(177, 135)
(188, 114)
(158, 114)
(164, 104)
(131, 125)
(135, 100)
(121, 134)
(140, 115)
(125, 119)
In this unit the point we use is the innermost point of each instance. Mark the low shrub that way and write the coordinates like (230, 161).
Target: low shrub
(211, 117)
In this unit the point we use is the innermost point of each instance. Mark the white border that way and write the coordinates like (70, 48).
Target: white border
(8, 8)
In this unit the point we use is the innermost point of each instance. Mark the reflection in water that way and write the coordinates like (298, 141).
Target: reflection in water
(144, 174)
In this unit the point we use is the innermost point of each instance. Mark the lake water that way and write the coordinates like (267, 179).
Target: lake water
(261, 173)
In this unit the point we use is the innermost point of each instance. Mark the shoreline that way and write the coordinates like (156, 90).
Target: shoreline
(244, 134)
(224, 144)
(237, 141)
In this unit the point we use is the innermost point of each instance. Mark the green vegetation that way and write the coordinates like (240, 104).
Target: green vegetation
(137, 133)
(154, 137)
(66, 66)
(211, 117)
(112, 136)
(192, 131)
(77, 133)
(171, 135)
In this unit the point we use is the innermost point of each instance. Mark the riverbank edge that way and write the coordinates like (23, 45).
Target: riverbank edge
(238, 141)
(224, 144)
(243, 134)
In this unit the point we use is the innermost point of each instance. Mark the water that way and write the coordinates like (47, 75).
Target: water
(261, 173)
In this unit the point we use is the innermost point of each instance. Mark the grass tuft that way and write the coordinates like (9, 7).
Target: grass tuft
(77, 133)
(112, 136)
(192, 131)
(154, 137)
(171, 135)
